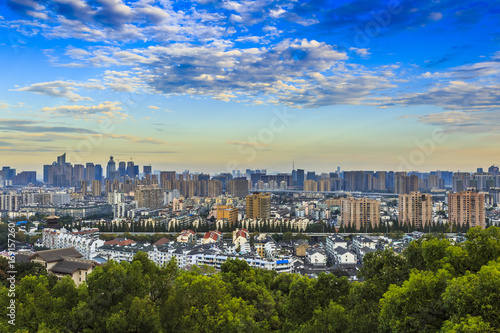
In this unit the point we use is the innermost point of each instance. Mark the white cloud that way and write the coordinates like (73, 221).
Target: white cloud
(105, 110)
(63, 89)
(435, 16)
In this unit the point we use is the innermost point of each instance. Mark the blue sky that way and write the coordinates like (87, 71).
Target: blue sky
(201, 85)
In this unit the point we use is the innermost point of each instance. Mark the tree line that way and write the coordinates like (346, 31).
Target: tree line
(434, 286)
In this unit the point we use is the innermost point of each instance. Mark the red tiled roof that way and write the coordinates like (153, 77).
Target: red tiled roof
(162, 241)
(119, 241)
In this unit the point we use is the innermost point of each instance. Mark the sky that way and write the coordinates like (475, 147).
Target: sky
(222, 85)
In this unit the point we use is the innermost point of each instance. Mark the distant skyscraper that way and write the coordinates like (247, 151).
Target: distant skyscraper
(46, 171)
(300, 177)
(237, 187)
(78, 172)
(146, 169)
(61, 160)
(111, 167)
(493, 170)
(310, 185)
(461, 181)
(98, 172)
(130, 170)
(122, 167)
(89, 172)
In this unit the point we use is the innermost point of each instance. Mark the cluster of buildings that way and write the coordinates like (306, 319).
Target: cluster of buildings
(184, 200)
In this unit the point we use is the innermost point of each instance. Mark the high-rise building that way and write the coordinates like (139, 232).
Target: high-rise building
(78, 173)
(493, 170)
(354, 180)
(379, 181)
(166, 176)
(146, 170)
(415, 209)
(467, 208)
(96, 188)
(324, 185)
(310, 185)
(98, 172)
(83, 187)
(300, 177)
(89, 172)
(258, 206)
(24, 178)
(122, 167)
(214, 188)
(360, 213)
(228, 212)
(461, 181)
(404, 184)
(400, 180)
(61, 160)
(311, 175)
(136, 171)
(130, 169)
(47, 173)
(148, 196)
(110, 168)
(237, 187)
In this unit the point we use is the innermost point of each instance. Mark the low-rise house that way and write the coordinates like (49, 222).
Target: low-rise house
(162, 241)
(186, 236)
(316, 257)
(86, 242)
(119, 241)
(77, 269)
(301, 248)
(212, 237)
(363, 251)
(360, 242)
(122, 252)
(65, 262)
(332, 242)
(240, 237)
(343, 256)
(260, 242)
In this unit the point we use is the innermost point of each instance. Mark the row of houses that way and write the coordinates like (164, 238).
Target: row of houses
(212, 255)
(85, 242)
(343, 252)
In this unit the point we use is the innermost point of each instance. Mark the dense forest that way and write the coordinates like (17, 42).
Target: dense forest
(435, 286)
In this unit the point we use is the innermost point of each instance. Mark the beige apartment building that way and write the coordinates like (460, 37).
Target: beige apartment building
(360, 212)
(96, 188)
(310, 185)
(324, 185)
(228, 212)
(258, 206)
(467, 207)
(415, 209)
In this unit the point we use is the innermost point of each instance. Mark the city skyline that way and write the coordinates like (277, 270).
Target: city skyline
(217, 86)
(156, 169)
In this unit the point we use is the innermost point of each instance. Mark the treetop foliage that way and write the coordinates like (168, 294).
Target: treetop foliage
(434, 286)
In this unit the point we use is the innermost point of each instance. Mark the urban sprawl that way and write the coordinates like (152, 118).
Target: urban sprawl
(300, 222)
